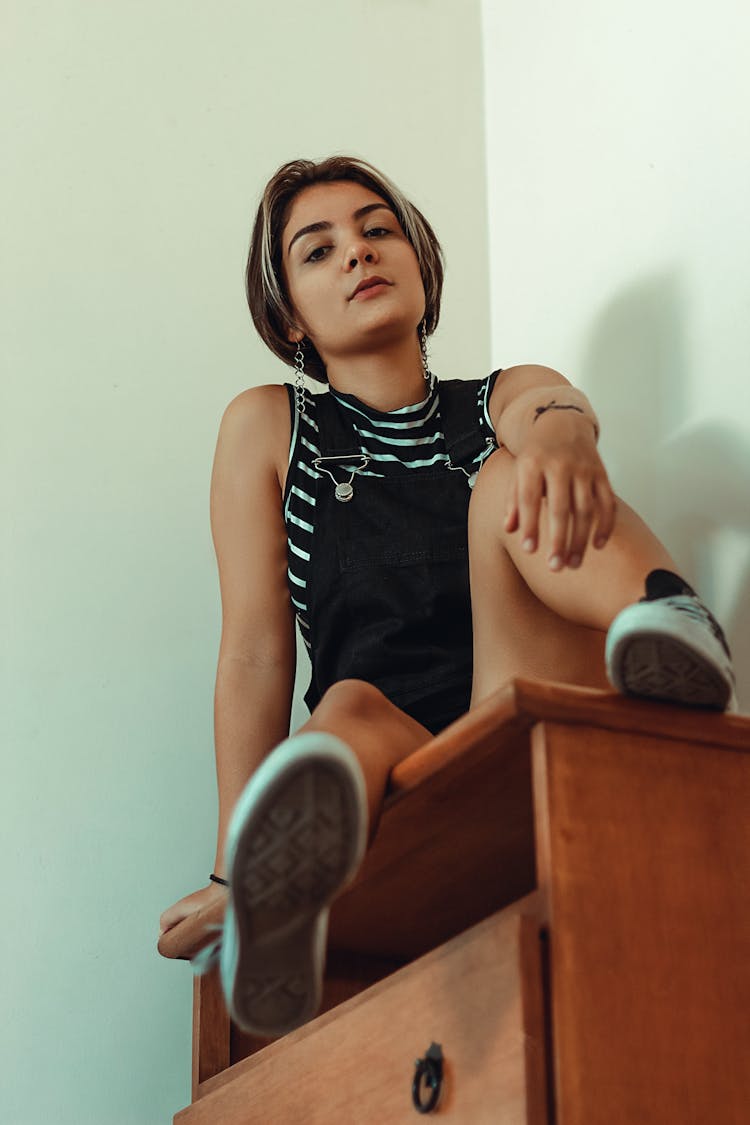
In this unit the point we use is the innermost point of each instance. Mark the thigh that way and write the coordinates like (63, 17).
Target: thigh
(366, 720)
(379, 734)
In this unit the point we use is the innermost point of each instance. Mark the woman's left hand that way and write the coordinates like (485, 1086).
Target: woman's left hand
(203, 899)
(559, 481)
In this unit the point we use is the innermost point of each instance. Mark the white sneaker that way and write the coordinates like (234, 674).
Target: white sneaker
(296, 838)
(671, 648)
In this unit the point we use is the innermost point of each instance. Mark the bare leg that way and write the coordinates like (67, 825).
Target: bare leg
(376, 730)
(378, 733)
(535, 622)
(528, 620)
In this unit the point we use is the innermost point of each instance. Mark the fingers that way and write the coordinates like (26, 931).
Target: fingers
(528, 489)
(590, 520)
(171, 917)
(559, 511)
(177, 913)
(607, 511)
(583, 511)
(580, 510)
(511, 506)
(188, 905)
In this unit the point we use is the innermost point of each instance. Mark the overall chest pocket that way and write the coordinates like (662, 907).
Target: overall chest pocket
(402, 522)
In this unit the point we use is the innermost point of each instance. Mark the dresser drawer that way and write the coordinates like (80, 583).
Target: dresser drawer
(479, 996)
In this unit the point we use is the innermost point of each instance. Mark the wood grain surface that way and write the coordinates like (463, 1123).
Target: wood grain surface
(356, 1063)
(644, 864)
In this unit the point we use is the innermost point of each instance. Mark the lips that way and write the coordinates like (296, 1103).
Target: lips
(368, 283)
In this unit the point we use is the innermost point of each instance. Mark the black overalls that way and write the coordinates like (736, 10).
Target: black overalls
(388, 579)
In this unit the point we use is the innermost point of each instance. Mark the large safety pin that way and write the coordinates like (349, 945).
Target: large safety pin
(344, 490)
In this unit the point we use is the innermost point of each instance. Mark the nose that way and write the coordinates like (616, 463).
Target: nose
(358, 251)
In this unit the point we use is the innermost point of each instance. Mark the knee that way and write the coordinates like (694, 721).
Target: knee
(488, 499)
(495, 473)
(352, 697)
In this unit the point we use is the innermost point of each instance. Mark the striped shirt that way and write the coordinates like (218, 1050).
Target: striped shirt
(408, 438)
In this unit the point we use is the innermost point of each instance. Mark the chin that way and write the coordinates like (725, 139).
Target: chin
(392, 322)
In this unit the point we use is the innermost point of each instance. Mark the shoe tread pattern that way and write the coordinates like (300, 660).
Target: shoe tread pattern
(289, 864)
(660, 667)
(297, 855)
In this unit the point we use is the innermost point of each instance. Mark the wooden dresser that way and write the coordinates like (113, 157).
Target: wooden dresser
(557, 904)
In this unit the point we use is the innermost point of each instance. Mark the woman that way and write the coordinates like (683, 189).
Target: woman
(389, 515)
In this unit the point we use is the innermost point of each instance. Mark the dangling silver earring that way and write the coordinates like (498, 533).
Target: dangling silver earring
(429, 378)
(299, 377)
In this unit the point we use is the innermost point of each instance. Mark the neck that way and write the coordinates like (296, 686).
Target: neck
(387, 379)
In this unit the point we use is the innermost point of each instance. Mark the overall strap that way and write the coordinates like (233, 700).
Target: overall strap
(461, 417)
(337, 436)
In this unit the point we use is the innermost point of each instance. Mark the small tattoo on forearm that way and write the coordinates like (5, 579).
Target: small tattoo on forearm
(556, 406)
(553, 405)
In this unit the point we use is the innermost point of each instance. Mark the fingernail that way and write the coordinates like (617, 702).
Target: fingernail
(600, 542)
(555, 562)
(574, 561)
(529, 544)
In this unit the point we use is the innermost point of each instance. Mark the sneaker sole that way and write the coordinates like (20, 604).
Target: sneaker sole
(658, 666)
(302, 840)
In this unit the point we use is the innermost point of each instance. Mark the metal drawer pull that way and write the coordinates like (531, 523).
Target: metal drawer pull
(430, 1068)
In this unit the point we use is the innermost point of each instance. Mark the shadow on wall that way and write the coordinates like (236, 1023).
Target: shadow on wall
(687, 478)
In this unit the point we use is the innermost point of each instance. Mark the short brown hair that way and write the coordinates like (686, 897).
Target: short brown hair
(264, 279)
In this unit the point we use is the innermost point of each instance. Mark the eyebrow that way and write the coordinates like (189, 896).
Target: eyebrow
(323, 225)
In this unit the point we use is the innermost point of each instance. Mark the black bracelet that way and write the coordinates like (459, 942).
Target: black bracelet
(218, 879)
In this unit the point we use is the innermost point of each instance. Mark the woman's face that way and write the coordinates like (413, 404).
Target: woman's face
(339, 235)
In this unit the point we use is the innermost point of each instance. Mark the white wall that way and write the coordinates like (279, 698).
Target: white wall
(618, 187)
(137, 135)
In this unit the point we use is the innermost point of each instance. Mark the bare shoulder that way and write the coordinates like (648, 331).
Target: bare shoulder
(256, 429)
(247, 524)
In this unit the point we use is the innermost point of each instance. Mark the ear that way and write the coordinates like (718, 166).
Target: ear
(294, 334)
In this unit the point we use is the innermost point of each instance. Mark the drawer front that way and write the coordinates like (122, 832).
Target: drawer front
(479, 996)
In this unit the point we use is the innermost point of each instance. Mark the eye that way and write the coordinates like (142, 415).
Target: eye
(375, 232)
(318, 254)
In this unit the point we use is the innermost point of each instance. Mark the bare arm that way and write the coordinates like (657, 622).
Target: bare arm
(255, 675)
(551, 430)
